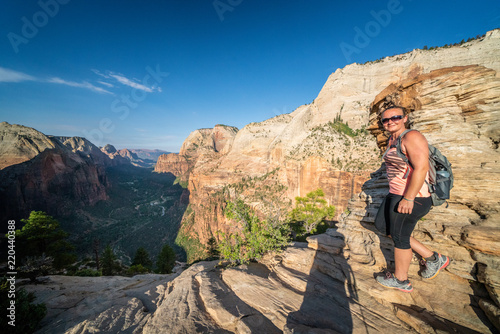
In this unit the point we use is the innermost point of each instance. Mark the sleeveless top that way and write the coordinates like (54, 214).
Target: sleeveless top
(396, 170)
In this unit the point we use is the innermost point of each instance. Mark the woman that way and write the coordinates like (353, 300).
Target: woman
(408, 201)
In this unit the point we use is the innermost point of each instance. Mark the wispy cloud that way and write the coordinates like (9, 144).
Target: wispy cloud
(124, 81)
(83, 84)
(128, 82)
(7, 75)
(99, 73)
(105, 83)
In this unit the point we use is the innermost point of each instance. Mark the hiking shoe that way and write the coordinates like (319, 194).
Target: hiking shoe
(389, 281)
(432, 268)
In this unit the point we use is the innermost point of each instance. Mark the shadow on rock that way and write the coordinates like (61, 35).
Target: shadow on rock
(326, 295)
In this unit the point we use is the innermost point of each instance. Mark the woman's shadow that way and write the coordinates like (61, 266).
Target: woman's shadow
(330, 297)
(325, 307)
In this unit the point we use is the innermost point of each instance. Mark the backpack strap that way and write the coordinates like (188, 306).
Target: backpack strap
(400, 153)
(398, 147)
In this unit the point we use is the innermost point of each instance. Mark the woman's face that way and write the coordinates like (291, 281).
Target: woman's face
(392, 123)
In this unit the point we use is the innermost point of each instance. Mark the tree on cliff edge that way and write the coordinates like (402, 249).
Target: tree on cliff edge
(255, 238)
(310, 213)
(166, 260)
(142, 258)
(41, 234)
(109, 264)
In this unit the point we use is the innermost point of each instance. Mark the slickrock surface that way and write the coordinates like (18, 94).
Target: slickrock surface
(110, 304)
(319, 287)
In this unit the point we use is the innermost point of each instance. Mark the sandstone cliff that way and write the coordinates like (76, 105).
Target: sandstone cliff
(48, 173)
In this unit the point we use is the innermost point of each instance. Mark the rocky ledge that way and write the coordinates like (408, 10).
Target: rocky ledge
(314, 287)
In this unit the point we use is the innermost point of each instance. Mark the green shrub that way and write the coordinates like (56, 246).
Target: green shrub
(137, 269)
(256, 238)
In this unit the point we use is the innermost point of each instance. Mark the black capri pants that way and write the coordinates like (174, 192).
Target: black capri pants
(400, 225)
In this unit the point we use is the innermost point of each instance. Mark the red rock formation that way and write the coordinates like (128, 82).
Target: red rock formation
(52, 174)
(55, 181)
(172, 163)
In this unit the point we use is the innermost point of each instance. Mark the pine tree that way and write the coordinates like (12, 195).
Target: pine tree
(108, 261)
(310, 211)
(142, 257)
(166, 260)
(213, 252)
(42, 234)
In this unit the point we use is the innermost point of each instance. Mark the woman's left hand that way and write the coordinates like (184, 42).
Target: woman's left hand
(405, 206)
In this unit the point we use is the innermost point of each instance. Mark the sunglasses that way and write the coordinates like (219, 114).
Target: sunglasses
(393, 118)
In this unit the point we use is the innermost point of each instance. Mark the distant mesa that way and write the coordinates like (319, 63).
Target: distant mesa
(126, 156)
(149, 154)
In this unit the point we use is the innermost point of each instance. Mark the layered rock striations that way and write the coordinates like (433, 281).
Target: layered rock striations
(172, 163)
(201, 146)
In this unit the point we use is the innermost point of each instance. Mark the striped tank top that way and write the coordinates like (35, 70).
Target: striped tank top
(396, 171)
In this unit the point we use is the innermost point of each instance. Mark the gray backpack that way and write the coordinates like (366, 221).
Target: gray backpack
(440, 173)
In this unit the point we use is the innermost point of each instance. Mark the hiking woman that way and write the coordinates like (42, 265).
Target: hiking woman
(407, 202)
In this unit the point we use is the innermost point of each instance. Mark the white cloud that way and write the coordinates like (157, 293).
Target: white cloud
(7, 75)
(105, 83)
(134, 83)
(127, 82)
(84, 84)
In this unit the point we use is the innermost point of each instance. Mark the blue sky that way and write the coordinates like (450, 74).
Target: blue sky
(144, 74)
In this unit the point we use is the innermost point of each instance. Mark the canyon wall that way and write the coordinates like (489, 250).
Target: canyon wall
(52, 174)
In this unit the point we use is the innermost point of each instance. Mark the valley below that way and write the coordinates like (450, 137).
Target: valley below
(144, 209)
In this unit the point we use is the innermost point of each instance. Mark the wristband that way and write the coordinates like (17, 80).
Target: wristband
(409, 200)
